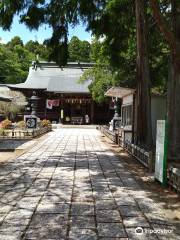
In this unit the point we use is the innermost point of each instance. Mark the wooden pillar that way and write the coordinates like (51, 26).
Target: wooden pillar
(92, 111)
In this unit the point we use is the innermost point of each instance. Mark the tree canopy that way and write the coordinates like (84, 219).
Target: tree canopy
(16, 57)
(79, 50)
(14, 63)
(113, 22)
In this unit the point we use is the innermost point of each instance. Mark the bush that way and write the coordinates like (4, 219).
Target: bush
(45, 123)
(1, 132)
(21, 124)
(6, 124)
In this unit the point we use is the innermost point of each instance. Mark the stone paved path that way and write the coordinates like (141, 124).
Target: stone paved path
(70, 186)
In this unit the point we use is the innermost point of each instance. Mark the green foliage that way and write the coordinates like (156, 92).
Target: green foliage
(16, 58)
(37, 49)
(104, 75)
(15, 42)
(79, 50)
(117, 30)
(14, 61)
(101, 81)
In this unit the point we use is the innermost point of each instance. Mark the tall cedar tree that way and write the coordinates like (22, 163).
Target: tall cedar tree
(173, 39)
(143, 128)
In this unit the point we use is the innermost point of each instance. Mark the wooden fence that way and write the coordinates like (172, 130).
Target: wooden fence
(113, 136)
(23, 134)
(145, 157)
(174, 178)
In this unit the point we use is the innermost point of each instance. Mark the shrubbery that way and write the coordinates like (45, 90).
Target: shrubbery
(45, 123)
(21, 124)
(6, 124)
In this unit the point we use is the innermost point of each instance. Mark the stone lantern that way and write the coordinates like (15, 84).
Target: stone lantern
(115, 122)
(116, 108)
(34, 103)
(116, 118)
(28, 106)
(32, 120)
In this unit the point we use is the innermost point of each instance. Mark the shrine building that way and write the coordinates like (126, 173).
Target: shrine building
(62, 97)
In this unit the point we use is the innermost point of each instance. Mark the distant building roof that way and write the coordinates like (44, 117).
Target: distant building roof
(119, 92)
(52, 78)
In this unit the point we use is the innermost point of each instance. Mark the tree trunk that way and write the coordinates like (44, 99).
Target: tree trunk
(143, 124)
(174, 89)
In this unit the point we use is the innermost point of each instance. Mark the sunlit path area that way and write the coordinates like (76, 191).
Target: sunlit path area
(71, 186)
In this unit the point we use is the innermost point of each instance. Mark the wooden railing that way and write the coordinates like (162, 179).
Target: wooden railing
(145, 157)
(174, 178)
(24, 134)
(113, 136)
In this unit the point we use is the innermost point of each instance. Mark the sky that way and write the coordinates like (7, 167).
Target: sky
(43, 33)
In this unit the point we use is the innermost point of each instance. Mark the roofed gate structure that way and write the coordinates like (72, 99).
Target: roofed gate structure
(62, 97)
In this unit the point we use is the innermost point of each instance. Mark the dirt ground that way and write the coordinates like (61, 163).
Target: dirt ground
(169, 198)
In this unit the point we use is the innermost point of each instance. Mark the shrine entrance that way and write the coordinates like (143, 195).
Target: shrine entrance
(76, 111)
(70, 110)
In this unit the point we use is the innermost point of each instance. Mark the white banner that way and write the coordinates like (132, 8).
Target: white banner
(49, 104)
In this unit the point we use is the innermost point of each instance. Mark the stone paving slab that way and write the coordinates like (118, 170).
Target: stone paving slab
(48, 232)
(83, 223)
(108, 216)
(111, 230)
(82, 234)
(70, 186)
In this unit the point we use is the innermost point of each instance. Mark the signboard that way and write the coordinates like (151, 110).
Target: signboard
(161, 152)
(31, 122)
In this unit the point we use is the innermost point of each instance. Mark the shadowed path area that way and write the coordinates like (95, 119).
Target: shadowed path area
(71, 186)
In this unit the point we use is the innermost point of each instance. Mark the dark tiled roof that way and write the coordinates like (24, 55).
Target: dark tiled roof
(51, 78)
